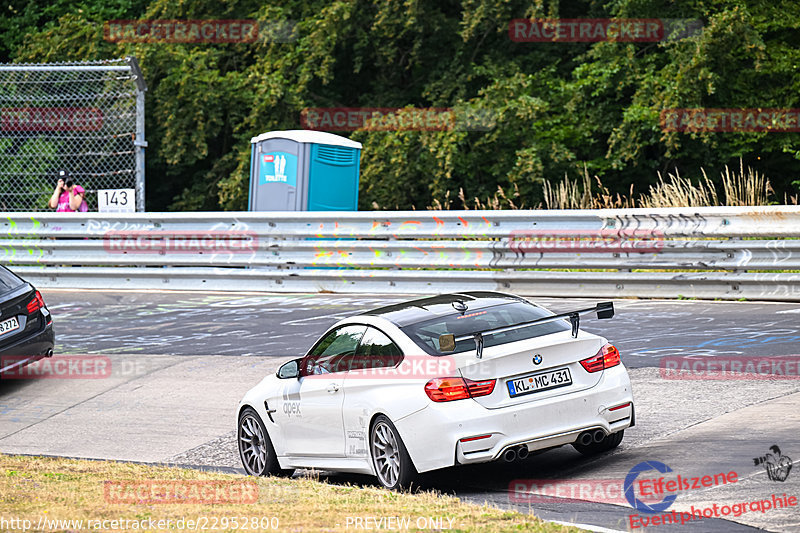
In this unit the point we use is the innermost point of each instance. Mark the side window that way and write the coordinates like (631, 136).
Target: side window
(331, 354)
(376, 350)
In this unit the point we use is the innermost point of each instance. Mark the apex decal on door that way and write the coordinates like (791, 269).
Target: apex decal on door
(291, 404)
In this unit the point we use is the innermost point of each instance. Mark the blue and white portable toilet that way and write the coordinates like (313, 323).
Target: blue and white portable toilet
(303, 170)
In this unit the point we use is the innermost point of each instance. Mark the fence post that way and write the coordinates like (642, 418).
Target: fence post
(139, 143)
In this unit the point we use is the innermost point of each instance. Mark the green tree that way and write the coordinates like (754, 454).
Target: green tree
(551, 108)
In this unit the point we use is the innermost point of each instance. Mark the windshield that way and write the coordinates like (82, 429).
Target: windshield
(426, 334)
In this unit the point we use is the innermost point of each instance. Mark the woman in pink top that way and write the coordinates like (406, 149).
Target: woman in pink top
(67, 196)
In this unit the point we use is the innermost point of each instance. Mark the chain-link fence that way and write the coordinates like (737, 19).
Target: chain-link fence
(85, 118)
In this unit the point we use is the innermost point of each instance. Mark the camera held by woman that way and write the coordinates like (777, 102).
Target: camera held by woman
(68, 197)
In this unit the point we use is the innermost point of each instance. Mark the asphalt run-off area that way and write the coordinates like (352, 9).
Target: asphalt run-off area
(172, 367)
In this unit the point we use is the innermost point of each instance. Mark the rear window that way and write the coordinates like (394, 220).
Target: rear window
(426, 334)
(8, 280)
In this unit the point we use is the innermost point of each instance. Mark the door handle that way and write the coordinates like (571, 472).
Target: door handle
(333, 388)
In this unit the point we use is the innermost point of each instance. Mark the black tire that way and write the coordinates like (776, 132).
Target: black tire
(255, 448)
(608, 443)
(393, 466)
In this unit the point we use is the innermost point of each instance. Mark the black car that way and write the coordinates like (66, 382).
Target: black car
(26, 325)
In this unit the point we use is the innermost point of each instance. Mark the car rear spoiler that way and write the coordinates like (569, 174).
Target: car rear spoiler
(604, 310)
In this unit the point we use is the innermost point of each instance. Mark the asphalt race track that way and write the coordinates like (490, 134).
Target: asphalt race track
(180, 362)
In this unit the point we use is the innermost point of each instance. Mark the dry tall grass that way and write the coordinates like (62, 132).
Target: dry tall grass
(568, 194)
(499, 200)
(752, 188)
(747, 187)
(680, 192)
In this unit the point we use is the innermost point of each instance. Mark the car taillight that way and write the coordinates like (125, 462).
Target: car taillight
(480, 388)
(607, 357)
(446, 389)
(449, 389)
(35, 304)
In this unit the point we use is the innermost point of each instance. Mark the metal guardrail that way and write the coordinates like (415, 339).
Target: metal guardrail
(715, 252)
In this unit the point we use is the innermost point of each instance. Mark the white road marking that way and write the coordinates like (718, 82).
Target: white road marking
(588, 527)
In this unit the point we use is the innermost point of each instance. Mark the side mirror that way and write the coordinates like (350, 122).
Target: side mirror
(447, 343)
(289, 370)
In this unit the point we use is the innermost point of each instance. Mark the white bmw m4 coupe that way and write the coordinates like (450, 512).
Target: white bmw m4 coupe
(437, 382)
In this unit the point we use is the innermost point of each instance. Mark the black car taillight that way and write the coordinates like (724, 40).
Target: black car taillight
(35, 304)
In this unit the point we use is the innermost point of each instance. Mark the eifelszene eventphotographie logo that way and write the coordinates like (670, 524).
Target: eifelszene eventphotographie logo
(630, 494)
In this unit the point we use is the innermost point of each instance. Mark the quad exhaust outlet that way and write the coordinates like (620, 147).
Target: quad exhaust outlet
(588, 437)
(516, 453)
(520, 452)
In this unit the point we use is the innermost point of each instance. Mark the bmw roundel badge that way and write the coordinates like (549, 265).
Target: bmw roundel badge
(537, 359)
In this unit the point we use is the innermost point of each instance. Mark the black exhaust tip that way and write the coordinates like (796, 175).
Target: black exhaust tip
(599, 435)
(523, 452)
(510, 455)
(585, 438)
